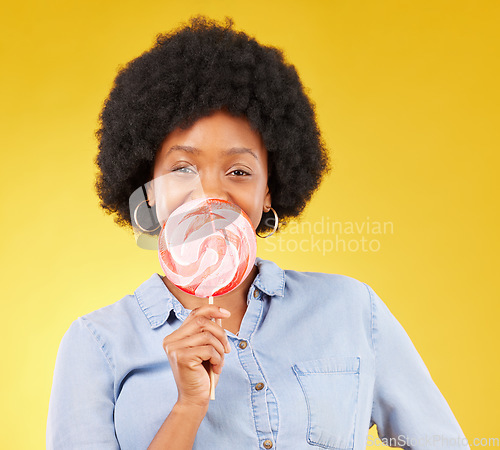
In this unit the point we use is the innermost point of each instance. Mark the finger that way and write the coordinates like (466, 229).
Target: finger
(207, 366)
(193, 356)
(201, 339)
(209, 311)
(198, 325)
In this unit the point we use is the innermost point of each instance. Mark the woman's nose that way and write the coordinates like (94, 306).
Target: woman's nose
(210, 187)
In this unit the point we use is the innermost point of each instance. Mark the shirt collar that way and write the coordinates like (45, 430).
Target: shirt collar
(157, 302)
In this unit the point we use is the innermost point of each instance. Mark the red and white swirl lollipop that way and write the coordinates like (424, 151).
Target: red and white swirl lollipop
(207, 247)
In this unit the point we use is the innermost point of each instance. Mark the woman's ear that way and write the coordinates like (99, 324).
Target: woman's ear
(151, 193)
(267, 200)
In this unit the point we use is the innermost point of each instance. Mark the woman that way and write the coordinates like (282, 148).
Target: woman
(300, 359)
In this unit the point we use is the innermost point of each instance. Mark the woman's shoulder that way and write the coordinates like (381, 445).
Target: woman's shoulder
(333, 287)
(114, 312)
(321, 284)
(122, 314)
(325, 280)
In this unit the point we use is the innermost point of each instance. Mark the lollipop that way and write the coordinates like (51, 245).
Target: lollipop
(207, 247)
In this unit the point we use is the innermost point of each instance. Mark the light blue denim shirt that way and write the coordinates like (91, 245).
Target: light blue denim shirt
(318, 360)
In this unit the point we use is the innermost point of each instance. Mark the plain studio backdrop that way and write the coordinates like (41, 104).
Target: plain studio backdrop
(407, 97)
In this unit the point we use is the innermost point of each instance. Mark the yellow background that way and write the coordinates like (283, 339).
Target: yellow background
(408, 101)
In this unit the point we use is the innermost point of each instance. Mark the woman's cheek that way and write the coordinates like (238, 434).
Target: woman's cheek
(166, 205)
(254, 207)
(170, 191)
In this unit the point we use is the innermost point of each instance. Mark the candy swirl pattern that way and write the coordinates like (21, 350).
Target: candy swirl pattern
(207, 247)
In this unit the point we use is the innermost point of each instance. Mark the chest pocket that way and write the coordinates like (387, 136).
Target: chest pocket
(330, 388)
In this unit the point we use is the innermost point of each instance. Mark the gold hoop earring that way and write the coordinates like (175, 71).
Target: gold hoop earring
(275, 225)
(137, 222)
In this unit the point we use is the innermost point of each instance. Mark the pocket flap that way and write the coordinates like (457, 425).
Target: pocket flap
(329, 365)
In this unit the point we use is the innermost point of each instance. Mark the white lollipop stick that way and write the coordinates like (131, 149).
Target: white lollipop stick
(212, 375)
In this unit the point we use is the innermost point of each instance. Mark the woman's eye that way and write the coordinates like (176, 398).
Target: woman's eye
(184, 169)
(240, 173)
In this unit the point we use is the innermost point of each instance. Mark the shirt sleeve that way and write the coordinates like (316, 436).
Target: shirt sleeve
(409, 410)
(82, 401)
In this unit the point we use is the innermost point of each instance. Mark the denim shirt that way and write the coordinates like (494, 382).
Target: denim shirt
(318, 360)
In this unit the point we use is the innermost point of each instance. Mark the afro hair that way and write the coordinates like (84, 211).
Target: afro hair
(190, 72)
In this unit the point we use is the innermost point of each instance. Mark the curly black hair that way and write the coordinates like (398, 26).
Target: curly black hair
(189, 73)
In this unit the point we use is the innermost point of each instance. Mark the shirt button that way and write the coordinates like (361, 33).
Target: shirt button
(243, 345)
(268, 443)
(256, 293)
(259, 387)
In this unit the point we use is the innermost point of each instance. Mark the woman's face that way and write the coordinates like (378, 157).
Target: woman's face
(219, 156)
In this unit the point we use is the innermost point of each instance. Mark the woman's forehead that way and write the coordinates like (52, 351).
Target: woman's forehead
(220, 132)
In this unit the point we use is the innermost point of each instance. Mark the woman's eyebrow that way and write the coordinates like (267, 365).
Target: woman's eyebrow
(231, 151)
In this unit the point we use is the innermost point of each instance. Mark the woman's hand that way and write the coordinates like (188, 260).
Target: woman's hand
(191, 347)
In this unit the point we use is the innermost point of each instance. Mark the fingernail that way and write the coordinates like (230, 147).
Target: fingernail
(225, 311)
